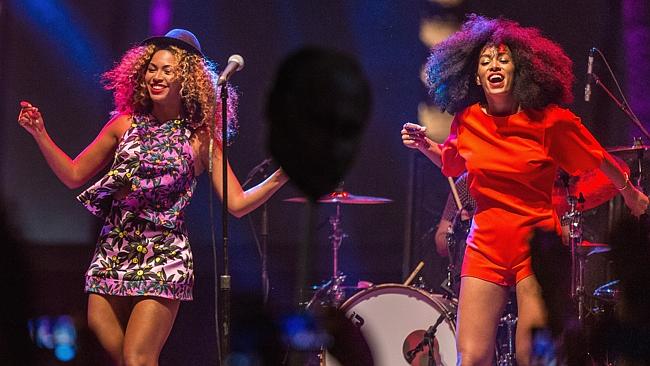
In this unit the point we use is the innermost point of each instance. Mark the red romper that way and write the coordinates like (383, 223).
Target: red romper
(511, 163)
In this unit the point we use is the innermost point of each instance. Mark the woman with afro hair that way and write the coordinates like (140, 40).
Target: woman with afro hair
(166, 112)
(504, 84)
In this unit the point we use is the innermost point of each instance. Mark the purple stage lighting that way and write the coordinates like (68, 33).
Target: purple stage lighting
(160, 17)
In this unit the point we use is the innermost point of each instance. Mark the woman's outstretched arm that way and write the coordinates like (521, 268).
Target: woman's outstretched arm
(73, 172)
(240, 202)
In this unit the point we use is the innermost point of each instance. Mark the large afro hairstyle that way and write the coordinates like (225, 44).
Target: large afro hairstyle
(543, 73)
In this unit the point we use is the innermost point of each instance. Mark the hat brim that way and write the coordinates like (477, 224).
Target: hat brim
(163, 41)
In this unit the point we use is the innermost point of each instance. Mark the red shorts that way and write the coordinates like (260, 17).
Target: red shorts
(479, 265)
(497, 246)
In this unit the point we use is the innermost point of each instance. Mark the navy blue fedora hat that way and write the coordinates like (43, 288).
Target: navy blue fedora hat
(181, 38)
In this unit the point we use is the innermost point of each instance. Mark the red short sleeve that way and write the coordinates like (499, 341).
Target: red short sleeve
(571, 145)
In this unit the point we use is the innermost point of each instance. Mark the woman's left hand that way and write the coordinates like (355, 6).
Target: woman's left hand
(635, 200)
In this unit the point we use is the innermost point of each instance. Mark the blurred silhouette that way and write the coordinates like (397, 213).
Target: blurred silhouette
(317, 108)
(620, 329)
(15, 345)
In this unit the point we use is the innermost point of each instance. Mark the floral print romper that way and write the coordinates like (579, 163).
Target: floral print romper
(143, 248)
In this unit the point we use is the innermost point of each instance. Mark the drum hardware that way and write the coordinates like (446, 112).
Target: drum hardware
(329, 293)
(581, 251)
(447, 284)
(343, 197)
(456, 236)
(609, 292)
(581, 193)
(333, 290)
(635, 153)
(629, 151)
(588, 248)
(574, 218)
(507, 356)
(594, 186)
(576, 194)
(418, 282)
(421, 284)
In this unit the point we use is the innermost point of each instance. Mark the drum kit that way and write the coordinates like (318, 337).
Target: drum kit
(332, 293)
(581, 194)
(424, 332)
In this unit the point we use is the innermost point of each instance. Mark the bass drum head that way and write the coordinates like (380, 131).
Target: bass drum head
(393, 319)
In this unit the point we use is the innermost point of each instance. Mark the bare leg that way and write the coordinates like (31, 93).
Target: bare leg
(531, 314)
(107, 318)
(149, 326)
(480, 306)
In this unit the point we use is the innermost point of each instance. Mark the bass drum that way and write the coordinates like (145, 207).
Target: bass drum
(393, 319)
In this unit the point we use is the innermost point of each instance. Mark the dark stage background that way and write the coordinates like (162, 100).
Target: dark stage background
(52, 53)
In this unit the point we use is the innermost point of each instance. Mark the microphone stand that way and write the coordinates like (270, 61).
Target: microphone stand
(265, 237)
(622, 106)
(225, 279)
(264, 231)
(625, 108)
(428, 340)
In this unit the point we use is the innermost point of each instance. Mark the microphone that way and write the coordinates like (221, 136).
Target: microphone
(235, 63)
(590, 66)
(258, 169)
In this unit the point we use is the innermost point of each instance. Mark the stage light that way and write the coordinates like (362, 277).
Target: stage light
(63, 29)
(447, 3)
(160, 17)
(56, 333)
(437, 29)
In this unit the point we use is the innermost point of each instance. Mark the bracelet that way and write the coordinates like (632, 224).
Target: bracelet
(627, 182)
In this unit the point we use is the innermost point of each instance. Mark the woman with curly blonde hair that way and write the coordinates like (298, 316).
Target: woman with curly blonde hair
(166, 111)
(504, 83)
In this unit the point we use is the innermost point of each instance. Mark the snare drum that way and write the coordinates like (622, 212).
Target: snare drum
(393, 319)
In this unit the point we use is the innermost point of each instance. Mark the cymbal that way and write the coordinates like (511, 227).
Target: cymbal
(629, 152)
(609, 292)
(588, 248)
(626, 149)
(594, 186)
(588, 244)
(344, 198)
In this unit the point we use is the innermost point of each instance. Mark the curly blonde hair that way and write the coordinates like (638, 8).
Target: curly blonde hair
(200, 97)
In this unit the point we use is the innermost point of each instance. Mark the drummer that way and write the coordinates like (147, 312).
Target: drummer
(450, 214)
(504, 83)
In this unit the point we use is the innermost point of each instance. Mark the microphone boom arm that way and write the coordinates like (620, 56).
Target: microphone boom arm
(622, 106)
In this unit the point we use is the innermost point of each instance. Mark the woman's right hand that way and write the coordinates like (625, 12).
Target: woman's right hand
(30, 118)
(414, 137)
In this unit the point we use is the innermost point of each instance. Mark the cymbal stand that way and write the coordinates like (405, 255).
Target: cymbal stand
(507, 356)
(332, 293)
(337, 295)
(574, 217)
